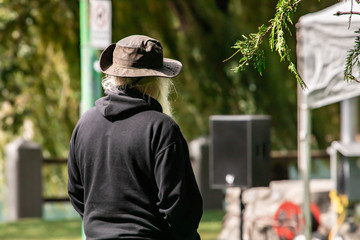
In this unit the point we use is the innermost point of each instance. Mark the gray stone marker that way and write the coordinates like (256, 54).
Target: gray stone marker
(199, 154)
(24, 180)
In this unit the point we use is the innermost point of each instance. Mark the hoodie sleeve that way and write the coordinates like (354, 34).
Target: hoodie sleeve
(179, 197)
(75, 186)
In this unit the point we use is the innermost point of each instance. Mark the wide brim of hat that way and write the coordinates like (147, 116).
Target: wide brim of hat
(171, 68)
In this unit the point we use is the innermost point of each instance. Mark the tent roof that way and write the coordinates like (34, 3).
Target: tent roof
(326, 16)
(323, 42)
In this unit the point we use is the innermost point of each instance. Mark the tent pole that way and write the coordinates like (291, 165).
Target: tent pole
(349, 121)
(348, 117)
(304, 163)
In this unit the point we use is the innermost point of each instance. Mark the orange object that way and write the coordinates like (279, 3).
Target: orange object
(289, 221)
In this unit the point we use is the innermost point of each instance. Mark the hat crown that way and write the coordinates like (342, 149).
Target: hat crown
(137, 56)
(138, 51)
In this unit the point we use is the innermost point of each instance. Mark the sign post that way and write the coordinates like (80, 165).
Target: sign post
(95, 34)
(100, 23)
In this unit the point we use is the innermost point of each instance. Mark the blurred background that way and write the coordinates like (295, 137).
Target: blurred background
(40, 72)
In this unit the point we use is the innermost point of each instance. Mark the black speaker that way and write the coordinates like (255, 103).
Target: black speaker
(239, 151)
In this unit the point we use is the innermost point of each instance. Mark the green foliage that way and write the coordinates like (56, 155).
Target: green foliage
(352, 60)
(250, 47)
(40, 64)
(39, 74)
(40, 69)
(38, 80)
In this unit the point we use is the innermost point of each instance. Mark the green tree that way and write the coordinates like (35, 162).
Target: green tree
(38, 80)
(40, 65)
(250, 46)
(40, 68)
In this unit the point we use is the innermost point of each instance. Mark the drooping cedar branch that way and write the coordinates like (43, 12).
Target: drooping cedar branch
(250, 46)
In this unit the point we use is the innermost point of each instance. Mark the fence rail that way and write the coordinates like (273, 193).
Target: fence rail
(276, 157)
(290, 155)
(55, 161)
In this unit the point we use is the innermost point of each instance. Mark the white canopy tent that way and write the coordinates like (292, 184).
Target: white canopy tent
(323, 41)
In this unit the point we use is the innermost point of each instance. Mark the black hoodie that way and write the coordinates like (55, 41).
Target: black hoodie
(130, 176)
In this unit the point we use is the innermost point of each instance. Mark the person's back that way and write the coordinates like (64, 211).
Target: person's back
(130, 175)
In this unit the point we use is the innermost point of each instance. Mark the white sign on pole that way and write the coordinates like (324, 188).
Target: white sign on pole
(100, 23)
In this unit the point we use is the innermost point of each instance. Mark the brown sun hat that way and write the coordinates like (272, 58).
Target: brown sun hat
(138, 56)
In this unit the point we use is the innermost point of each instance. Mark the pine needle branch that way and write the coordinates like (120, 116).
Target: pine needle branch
(352, 60)
(250, 46)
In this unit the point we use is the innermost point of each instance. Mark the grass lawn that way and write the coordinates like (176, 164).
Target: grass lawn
(210, 225)
(38, 229)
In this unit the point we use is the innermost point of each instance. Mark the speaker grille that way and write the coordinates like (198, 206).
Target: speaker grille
(239, 150)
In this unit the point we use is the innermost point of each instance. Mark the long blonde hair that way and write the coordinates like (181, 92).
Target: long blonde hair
(155, 87)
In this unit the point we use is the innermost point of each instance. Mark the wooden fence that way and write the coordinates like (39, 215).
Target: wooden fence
(55, 161)
(279, 164)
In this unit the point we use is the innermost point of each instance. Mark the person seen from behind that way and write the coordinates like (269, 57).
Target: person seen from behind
(130, 175)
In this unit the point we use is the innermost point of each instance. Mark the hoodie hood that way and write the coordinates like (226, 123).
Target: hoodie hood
(126, 104)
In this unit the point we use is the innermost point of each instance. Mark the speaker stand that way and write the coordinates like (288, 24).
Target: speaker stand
(242, 209)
